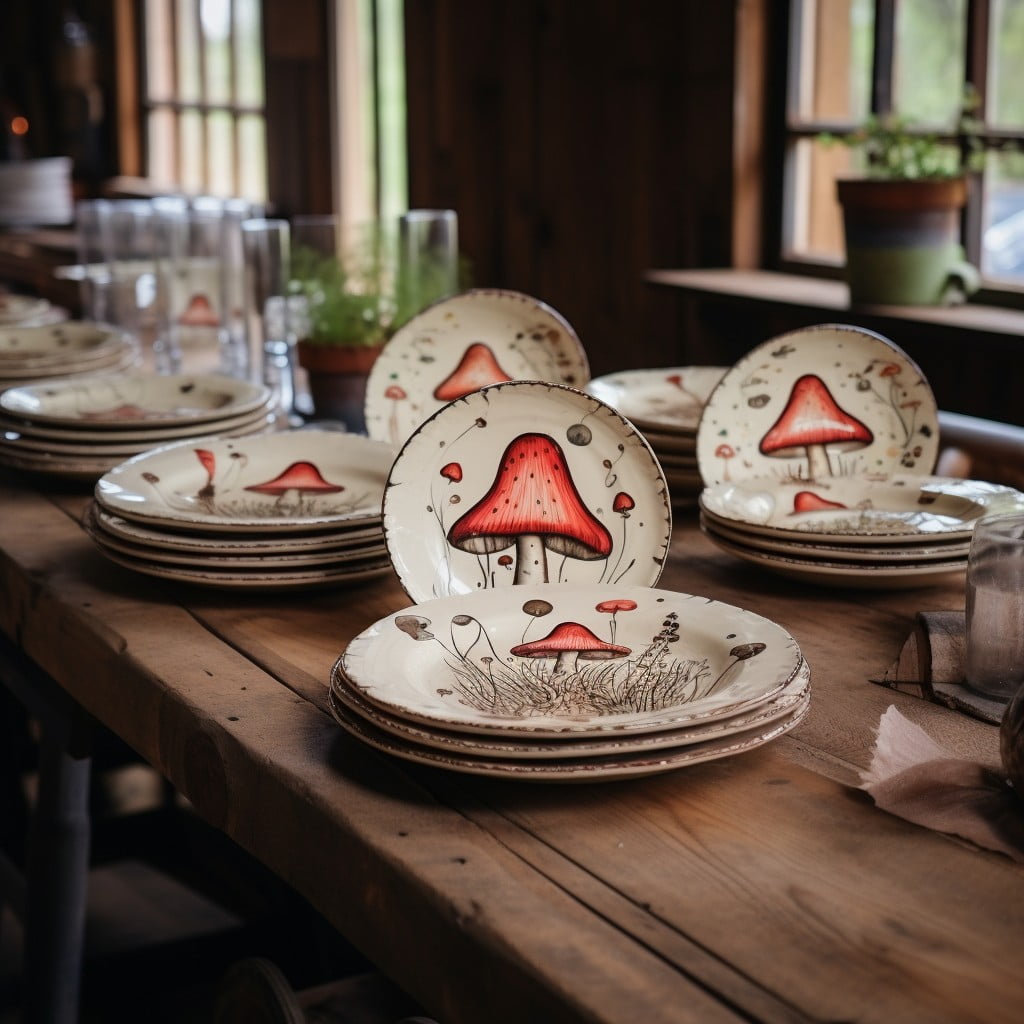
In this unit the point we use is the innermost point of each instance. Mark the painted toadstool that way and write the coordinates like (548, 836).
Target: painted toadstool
(532, 503)
(811, 423)
(566, 643)
(300, 477)
(477, 368)
(808, 501)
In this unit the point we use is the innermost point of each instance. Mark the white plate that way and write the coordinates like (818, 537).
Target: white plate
(811, 549)
(17, 309)
(254, 579)
(669, 399)
(75, 433)
(275, 483)
(590, 769)
(516, 747)
(877, 576)
(554, 661)
(899, 509)
(525, 482)
(463, 343)
(154, 538)
(67, 342)
(819, 403)
(132, 401)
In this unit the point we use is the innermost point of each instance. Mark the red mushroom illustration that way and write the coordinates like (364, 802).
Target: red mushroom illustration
(505, 561)
(452, 471)
(623, 504)
(199, 313)
(808, 501)
(613, 607)
(725, 452)
(477, 368)
(301, 478)
(811, 423)
(534, 504)
(566, 643)
(209, 463)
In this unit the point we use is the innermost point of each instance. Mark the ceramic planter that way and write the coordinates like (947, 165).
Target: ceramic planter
(903, 241)
(337, 380)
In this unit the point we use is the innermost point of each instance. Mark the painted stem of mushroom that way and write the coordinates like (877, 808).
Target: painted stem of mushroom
(531, 559)
(818, 463)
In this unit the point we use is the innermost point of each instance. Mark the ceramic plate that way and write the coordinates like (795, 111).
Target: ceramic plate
(899, 509)
(669, 399)
(55, 343)
(16, 309)
(461, 344)
(476, 745)
(816, 404)
(76, 433)
(553, 661)
(525, 482)
(867, 553)
(591, 769)
(836, 574)
(255, 579)
(295, 480)
(130, 401)
(154, 538)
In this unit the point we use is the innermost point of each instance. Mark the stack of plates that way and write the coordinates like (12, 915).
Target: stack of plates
(570, 683)
(296, 509)
(899, 530)
(70, 349)
(81, 427)
(36, 191)
(665, 406)
(28, 311)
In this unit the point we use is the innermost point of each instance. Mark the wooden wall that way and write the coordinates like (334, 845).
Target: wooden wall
(581, 142)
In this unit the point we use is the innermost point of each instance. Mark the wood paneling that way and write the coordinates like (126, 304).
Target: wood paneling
(581, 144)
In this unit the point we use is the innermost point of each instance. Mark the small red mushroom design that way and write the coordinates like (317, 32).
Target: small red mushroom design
(568, 643)
(812, 423)
(533, 504)
(477, 368)
(300, 480)
(199, 313)
(808, 501)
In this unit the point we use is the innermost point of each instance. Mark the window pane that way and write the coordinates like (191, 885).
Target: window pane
(248, 53)
(189, 81)
(929, 58)
(163, 149)
(1003, 240)
(252, 163)
(215, 19)
(815, 224)
(159, 50)
(220, 156)
(1006, 98)
(190, 137)
(834, 41)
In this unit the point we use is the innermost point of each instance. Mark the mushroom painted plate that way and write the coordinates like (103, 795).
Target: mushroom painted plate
(630, 764)
(271, 483)
(899, 509)
(17, 309)
(464, 343)
(668, 399)
(816, 404)
(519, 746)
(133, 401)
(570, 660)
(66, 343)
(525, 482)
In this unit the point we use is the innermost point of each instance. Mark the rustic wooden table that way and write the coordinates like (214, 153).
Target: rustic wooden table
(760, 887)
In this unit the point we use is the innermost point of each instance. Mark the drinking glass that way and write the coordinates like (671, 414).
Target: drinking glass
(995, 607)
(428, 259)
(92, 242)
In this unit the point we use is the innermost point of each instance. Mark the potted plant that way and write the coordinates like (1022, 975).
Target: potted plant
(354, 296)
(901, 216)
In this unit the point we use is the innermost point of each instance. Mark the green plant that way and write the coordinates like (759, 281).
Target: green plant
(890, 148)
(362, 295)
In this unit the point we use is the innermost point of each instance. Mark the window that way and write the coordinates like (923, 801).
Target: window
(914, 58)
(202, 96)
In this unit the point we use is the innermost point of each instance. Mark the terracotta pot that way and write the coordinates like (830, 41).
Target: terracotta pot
(903, 241)
(337, 380)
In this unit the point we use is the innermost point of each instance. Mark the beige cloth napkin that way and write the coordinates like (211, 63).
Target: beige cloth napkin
(914, 778)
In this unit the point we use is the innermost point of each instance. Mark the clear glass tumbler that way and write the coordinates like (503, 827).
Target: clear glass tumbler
(995, 607)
